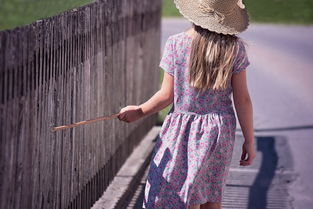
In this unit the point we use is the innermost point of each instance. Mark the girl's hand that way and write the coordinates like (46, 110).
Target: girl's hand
(249, 152)
(130, 113)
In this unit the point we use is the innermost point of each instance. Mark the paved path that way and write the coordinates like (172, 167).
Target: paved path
(280, 82)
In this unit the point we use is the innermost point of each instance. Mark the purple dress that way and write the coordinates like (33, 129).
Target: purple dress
(192, 155)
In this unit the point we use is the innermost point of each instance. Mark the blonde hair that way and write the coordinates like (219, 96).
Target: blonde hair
(211, 59)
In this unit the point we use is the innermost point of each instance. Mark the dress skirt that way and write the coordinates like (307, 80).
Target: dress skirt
(190, 161)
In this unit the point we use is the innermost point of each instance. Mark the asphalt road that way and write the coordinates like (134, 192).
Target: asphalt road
(280, 80)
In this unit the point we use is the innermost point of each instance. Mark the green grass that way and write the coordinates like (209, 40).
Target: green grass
(20, 12)
(266, 11)
(15, 13)
(169, 9)
(162, 114)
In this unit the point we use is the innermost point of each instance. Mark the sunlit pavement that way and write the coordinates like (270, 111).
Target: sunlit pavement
(280, 83)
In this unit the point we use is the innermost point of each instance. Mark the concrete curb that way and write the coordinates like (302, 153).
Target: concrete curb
(129, 175)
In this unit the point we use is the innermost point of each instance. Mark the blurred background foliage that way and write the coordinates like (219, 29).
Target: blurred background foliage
(15, 13)
(162, 114)
(266, 11)
(21, 12)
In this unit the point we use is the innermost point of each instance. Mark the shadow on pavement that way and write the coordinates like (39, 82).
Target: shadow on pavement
(259, 189)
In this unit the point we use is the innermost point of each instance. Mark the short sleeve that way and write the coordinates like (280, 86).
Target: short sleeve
(167, 60)
(241, 61)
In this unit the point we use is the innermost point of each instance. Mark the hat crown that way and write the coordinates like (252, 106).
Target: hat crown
(220, 16)
(223, 6)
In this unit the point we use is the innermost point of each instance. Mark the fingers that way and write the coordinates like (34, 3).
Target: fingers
(243, 155)
(245, 162)
(123, 114)
(248, 161)
(248, 154)
(123, 117)
(130, 113)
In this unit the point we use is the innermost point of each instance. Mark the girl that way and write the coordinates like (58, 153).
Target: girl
(203, 67)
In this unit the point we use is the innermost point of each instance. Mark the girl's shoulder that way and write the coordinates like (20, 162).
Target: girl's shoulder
(241, 44)
(177, 35)
(179, 38)
(241, 61)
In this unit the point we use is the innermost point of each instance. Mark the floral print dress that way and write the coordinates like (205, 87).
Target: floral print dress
(192, 155)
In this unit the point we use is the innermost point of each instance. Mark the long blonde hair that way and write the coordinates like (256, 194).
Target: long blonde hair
(211, 59)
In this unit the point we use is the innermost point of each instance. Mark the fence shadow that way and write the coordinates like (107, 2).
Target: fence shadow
(259, 189)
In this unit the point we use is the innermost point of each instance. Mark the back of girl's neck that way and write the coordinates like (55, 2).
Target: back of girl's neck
(190, 32)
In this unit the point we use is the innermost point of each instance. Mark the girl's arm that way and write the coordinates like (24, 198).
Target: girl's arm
(243, 104)
(157, 102)
(244, 110)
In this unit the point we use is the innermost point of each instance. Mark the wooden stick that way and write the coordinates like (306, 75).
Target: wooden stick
(85, 122)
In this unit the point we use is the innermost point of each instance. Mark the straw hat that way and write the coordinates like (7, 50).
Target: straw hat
(221, 16)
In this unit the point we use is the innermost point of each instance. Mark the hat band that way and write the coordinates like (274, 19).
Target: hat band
(210, 11)
(206, 9)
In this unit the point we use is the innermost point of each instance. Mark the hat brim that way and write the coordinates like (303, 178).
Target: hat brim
(233, 23)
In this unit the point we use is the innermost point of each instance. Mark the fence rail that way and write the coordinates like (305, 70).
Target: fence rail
(81, 64)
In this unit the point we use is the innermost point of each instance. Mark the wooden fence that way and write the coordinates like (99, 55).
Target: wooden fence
(81, 64)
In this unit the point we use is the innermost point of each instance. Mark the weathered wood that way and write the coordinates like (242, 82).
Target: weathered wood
(81, 64)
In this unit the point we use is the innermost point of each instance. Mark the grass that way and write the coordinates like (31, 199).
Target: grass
(15, 13)
(169, 9)
(266, 11)
(18, 13)
(162, 114)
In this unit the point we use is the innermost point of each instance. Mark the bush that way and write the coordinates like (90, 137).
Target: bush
(268, 11)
